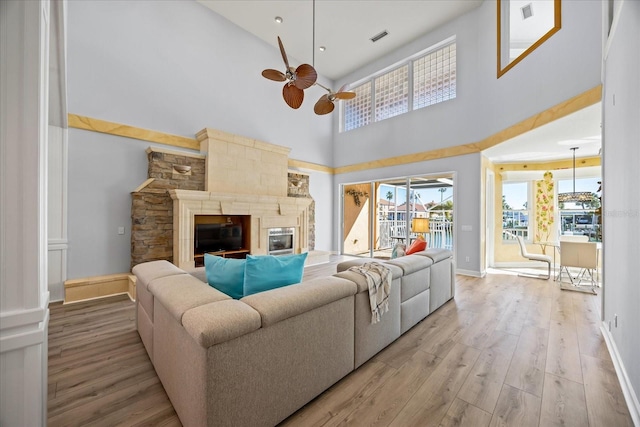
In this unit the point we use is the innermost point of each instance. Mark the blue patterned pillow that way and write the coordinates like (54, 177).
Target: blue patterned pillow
(265, 272)
(225, 274)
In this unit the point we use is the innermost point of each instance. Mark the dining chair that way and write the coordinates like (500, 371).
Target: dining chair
(582, 255)
(534, 257)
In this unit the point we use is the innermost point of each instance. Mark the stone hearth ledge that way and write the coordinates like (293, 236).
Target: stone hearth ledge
(265, 211)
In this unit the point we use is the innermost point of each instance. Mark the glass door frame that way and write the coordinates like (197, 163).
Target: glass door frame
(373, 207)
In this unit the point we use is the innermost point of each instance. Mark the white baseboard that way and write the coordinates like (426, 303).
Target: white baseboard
(471, 273)
(520, 264)
(630, 395)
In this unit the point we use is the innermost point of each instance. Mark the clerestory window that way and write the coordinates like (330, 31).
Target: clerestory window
(424, 79)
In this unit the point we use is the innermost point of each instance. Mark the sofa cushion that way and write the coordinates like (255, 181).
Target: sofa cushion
(282, 303)
(225, 274)
(414, 310)
(198, 272)
(146, 272)
(266, 272)
(356, 262)
(361, 281)
(436, 254)
(183, 292)
(396, 272)
(411, 264)
(220, 321)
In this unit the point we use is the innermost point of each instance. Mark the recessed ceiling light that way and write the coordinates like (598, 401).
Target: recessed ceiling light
(278, 19)
(322, 48)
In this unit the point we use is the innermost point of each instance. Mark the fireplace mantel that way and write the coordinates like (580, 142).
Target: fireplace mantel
(265, 211)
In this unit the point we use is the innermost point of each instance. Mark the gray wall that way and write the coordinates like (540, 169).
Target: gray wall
(566, 65)
(103, 171)
(621, 197)
(175, 67)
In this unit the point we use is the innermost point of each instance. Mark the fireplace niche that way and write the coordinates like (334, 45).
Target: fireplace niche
(228, 236)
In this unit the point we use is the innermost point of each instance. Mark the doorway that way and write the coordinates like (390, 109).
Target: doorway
(378, 215)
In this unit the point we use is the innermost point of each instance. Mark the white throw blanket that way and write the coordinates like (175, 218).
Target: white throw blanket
(379, 281)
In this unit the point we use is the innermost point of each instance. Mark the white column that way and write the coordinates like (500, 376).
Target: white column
(57, 212)
(24, 298)
(57, 149)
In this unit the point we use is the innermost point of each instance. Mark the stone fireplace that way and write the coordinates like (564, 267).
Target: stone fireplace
(242, 177)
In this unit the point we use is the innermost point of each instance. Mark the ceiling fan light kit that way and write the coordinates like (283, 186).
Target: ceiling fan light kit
(303, 77)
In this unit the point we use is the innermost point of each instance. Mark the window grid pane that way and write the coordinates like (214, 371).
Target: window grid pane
(392, 93)
(434, 77)
(357, 111)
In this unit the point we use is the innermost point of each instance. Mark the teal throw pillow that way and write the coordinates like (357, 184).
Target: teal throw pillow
(225, 274)
(399, 250)
(265, 272)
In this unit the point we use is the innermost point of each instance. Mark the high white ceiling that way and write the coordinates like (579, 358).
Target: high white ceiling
(345, 27)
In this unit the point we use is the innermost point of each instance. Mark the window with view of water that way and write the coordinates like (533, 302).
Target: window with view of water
(424, 79)
(515, 210)
(583, 217)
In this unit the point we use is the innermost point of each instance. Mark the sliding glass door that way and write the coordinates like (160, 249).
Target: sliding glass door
(378, 215)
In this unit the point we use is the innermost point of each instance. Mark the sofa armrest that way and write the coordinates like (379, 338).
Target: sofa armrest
(220, 321)
(282, 303)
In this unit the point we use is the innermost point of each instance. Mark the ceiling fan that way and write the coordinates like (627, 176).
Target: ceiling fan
(326, 103)
(303, 77)
(297, 79)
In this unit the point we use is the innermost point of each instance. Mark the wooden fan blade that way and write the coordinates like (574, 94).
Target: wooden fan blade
(292, 96)
(284, 54)
(323, 106)
(345, 95)
(274, 75)
(306, 76)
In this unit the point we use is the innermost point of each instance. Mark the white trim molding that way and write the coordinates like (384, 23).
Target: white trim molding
(630, 396)
(57, 211)
(471, 273)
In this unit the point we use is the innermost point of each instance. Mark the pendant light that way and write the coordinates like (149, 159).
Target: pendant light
(575, 197)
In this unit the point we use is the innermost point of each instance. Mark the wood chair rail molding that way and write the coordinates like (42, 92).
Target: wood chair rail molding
(555, 112)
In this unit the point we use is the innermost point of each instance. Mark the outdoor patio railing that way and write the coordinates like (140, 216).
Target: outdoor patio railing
(392, 231)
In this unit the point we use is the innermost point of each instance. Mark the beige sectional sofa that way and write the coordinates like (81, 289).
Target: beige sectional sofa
(255, 361)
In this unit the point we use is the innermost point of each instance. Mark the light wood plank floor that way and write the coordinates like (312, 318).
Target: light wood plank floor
(506, 351)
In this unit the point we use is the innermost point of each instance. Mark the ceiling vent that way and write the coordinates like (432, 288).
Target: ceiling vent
(379, 36)
(527, 11)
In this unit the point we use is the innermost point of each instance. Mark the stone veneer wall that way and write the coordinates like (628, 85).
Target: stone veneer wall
(298, 186)
(152, 206)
